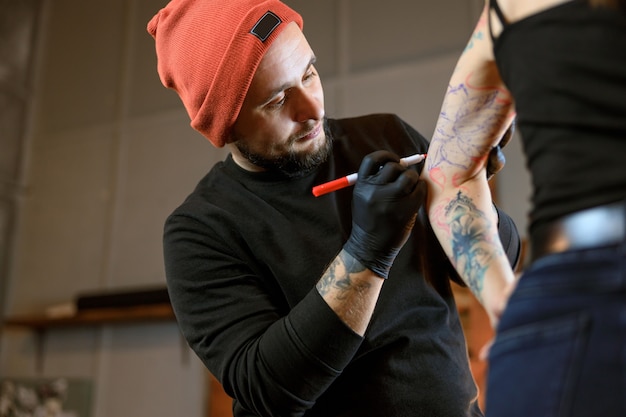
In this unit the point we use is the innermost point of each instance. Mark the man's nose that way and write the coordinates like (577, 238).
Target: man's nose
(310, 106)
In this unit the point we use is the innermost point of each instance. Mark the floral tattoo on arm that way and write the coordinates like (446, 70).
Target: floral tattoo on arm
(471, 239)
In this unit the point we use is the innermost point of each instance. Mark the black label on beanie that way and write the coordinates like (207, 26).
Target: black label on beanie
(265, 26)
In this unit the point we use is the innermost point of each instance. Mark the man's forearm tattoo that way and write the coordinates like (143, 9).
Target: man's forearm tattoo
(337, 276)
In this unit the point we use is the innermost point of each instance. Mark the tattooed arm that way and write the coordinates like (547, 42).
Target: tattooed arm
(351, 290)
(476, 112)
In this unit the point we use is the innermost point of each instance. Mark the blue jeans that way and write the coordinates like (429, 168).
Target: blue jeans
(560, 348)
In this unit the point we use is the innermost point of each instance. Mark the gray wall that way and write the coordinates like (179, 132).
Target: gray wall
(18, 28)
(108, 153)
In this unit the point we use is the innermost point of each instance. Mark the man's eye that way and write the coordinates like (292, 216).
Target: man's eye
(278, 102)
(310, 75)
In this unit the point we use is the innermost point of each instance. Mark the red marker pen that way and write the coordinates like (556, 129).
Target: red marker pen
(348, 180)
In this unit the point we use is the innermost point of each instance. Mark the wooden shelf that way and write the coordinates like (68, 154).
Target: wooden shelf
(41, 323)
(91, 317)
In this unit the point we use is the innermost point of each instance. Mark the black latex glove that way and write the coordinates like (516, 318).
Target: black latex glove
(496, 159)
(385, 201)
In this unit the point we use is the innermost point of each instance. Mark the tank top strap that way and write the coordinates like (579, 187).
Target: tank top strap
(493, 5)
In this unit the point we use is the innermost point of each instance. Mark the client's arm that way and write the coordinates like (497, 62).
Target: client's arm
(476, 112)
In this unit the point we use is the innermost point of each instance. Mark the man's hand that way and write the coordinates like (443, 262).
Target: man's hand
(385, 201)
(496, 160)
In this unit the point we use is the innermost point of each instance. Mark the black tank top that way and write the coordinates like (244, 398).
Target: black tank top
(566, 69)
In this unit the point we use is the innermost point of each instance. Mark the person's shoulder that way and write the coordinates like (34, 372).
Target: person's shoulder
(379, 130)
(373, 123)
(371, 119)
(515, 10)
(209, 193)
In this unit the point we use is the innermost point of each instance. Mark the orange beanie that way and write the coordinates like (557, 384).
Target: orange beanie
(208, 52)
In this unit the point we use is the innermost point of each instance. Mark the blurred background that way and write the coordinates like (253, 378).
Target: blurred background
(95, 153)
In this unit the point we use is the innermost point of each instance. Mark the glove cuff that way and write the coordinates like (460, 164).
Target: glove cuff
(363, 249)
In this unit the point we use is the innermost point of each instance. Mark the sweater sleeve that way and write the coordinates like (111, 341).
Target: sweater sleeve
(310, 344)
(274, 359)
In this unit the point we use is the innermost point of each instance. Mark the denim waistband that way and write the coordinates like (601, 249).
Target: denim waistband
(595, 270)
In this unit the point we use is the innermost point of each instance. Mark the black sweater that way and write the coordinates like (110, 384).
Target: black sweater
(243, 254)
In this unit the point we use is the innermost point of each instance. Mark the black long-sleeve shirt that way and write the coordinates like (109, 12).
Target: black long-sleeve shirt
(243, 254)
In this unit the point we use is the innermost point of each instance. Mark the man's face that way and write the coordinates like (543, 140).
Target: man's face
(281, 123)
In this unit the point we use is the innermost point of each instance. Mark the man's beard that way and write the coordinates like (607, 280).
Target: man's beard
(292, 164)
